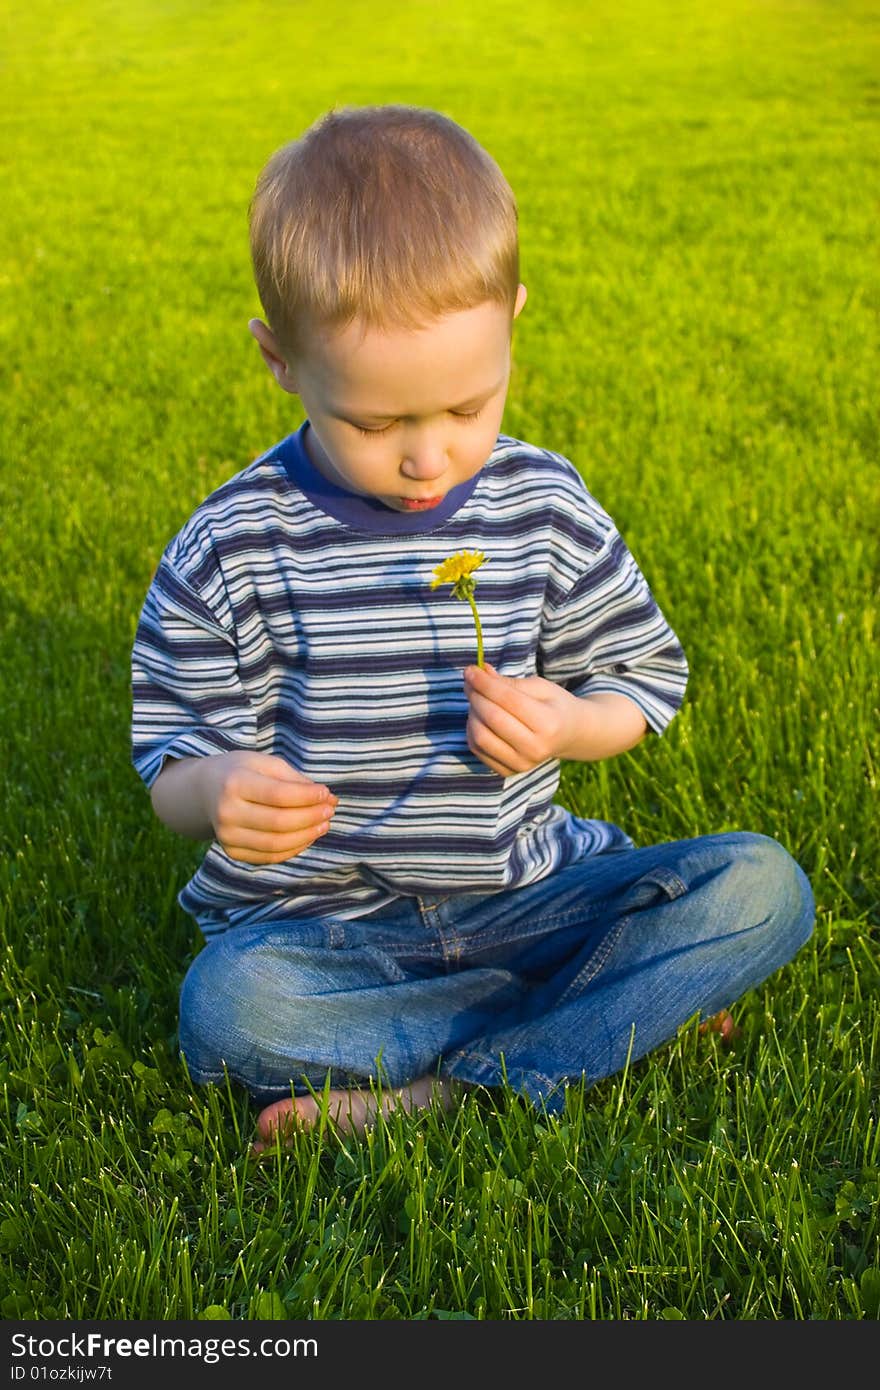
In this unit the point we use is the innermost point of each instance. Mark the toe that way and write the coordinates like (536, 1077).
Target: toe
(721, 1023)
(281, 1120)
(275, 1117)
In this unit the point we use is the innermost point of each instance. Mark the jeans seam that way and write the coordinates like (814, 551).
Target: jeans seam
(492, 1064)
(480, 939)
(594, 964)
(433, 904)
(669, 880)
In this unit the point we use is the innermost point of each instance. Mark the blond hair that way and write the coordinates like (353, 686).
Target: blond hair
(394, 215)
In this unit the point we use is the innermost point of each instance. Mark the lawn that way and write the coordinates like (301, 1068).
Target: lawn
(698, 193)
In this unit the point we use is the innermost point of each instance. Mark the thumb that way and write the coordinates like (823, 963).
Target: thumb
(271, 765)
(493, 671)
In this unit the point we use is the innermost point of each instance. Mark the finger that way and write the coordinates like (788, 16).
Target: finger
(534, 687)
(507, 727)
(282, 820)
(272, 852)
(253, 786)
(254, 818)
(488, 746)
(488, 672)
(271, 765)
(501, 770)
(506, 693)
(286, 772)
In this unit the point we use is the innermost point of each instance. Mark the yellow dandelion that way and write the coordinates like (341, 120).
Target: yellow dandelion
(459, 566)
(458, 570)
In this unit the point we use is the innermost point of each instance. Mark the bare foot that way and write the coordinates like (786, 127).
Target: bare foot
(721, 1023)
(351, 1111)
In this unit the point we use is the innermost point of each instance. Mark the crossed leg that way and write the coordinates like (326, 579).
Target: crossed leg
(355, 1110)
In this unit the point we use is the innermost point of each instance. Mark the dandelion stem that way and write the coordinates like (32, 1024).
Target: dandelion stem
(477, 624)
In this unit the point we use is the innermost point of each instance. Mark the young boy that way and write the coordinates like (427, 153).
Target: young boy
(391, 893)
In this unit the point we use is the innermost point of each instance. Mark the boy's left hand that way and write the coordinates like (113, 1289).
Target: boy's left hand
(517, 722)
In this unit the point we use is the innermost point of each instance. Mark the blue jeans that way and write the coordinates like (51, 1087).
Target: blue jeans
(554, 982)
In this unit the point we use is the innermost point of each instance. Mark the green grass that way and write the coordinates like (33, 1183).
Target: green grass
(699, 205)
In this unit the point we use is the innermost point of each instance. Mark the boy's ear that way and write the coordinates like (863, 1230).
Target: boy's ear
(271, 353)
(521, 296)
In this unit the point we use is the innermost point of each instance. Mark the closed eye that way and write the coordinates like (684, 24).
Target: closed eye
(458, 415)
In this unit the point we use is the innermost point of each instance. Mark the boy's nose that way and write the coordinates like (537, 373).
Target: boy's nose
(424, 465)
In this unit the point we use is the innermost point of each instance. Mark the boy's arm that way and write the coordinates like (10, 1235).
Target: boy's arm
(193, 731)
(258, 807)
(607, 636)
(178, 797)
(604, 724)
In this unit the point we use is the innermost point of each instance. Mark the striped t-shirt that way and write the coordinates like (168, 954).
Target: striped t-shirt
(291, 617)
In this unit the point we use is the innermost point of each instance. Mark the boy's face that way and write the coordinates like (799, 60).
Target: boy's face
(402, 416)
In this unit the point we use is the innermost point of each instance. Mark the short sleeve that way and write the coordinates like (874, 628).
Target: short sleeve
(608, 634)
(187, 697)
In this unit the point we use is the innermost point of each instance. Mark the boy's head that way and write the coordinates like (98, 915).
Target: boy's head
(386, 257)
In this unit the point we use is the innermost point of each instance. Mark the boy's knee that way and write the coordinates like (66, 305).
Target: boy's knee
(776, 885)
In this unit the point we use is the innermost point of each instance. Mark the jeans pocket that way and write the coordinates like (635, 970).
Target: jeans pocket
(656, 886)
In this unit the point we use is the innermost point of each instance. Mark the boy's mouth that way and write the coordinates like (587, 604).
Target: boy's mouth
(410, 504)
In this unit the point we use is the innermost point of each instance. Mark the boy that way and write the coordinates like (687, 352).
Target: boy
(391, 891)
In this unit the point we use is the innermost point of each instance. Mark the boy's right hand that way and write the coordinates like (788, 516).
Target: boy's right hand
(263, 811)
